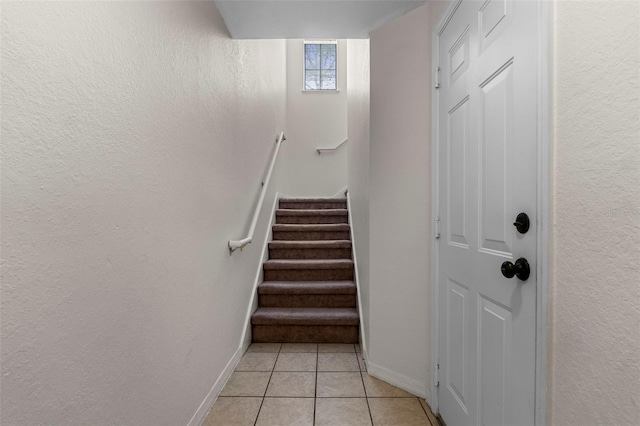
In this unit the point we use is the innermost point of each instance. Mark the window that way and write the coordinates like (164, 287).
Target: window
(320, 68)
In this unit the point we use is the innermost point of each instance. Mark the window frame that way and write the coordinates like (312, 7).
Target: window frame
(304, 66)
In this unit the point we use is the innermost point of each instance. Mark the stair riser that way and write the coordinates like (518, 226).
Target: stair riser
(307, 301)
(305, 333)
(308, 274)
(305, 220)
(329, 253)
(310, 235)
(313, 205)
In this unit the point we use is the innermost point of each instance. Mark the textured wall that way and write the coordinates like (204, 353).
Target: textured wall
(134, 138)
(595, 288)
(400, 207)
(315, 120)
(358, 163)
(594, 352)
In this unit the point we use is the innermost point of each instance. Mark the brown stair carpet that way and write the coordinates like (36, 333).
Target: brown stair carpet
(312, 216)
(308, 293)
(313, 203)
(310, 232)
(313, 294)
(328, 249)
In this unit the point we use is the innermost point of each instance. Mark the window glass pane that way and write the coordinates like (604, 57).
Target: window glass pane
(320, 63)
(312, 56)
(328, 79)
(312, 80)
(328, 55)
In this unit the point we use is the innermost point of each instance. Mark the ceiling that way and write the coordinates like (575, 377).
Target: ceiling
(310, 19)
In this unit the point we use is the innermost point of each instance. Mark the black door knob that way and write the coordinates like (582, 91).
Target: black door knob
(522, 223)
(520, 269)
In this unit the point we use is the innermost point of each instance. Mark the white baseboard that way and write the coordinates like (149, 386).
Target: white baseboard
(245, 340)
(212, 396)
(356, 276)
(365, 356)
(403, 382)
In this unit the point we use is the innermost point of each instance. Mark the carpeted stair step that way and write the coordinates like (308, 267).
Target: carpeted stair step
(313, 203)
(310, 216)
(339, 231)
(309, 270)
(335, 325)
(307, 294)
(330, 249)
(305, 316)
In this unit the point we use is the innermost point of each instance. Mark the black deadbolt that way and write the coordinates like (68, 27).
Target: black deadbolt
(522, 223)
(520, 269)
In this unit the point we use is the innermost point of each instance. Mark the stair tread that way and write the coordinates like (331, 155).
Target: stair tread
(311, 227)
(306, 316)
(287, 244)
(312, 203)
(308, 264)
(307, 287)
(312, 212)
(314, 200)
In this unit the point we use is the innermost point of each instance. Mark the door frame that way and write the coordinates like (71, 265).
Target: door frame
(543, 195)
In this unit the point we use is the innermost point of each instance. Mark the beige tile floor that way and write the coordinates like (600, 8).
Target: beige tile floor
(312, 384)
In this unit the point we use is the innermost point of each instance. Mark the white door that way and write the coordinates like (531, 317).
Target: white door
(487, 176)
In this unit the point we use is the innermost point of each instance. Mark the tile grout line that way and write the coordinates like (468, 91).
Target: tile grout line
(315, 393)
(268, 383)
(300, 371)
(366, 397)
(323, 397)
(425, 412)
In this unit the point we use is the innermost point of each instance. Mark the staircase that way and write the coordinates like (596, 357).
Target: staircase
(308, 293)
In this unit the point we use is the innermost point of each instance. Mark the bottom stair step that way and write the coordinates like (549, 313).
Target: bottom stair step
(305, 333)
(305, 325)
(305, 316)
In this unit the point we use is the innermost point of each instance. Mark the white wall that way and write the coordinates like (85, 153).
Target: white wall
(358, 78)
(134, 138)
(594, 346)
(133, 134)
(399, 226)
(594, 290)
(315, 119)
